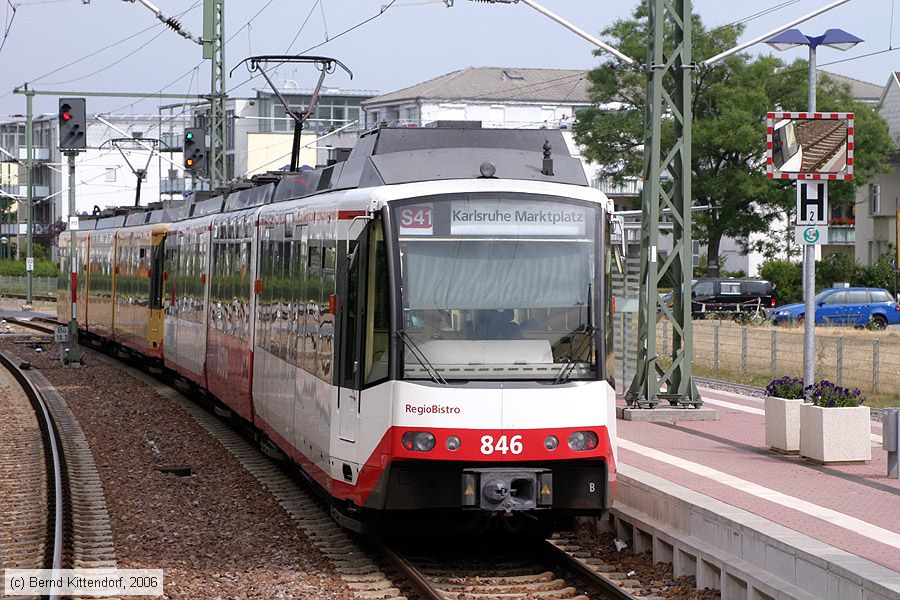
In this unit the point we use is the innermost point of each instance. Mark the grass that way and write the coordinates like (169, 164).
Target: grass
(874, 400)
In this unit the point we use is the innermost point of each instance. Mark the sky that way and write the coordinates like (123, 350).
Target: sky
(118, 45)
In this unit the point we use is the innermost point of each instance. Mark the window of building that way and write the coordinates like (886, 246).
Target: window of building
(110, 174)
(229, 131)
(874, 198)
(498, 115)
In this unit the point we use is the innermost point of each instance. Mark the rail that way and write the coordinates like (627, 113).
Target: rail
(53, 456)
(488, 578)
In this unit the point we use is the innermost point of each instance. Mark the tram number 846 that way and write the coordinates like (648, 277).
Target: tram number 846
(503, 446)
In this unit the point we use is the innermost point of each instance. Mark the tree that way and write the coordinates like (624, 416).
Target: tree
(730, 102)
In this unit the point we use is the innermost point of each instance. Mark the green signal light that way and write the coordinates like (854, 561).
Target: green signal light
(189, 136)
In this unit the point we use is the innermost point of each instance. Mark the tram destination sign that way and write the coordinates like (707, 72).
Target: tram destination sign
(518, 218)
(494, 217)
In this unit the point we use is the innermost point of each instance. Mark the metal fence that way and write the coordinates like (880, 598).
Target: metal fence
(870, 361)
(18, 286)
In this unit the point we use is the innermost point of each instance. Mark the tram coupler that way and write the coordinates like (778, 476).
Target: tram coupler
(507, 490)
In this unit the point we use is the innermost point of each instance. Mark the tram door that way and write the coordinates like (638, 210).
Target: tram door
(352, 310)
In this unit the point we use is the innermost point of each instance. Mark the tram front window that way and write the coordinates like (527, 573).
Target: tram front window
(498, 288)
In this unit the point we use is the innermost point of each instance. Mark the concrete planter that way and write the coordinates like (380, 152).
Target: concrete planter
(834, 435)
(783, 424)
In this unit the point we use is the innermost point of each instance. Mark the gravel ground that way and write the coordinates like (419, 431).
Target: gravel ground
(217, 533)
(656, 579)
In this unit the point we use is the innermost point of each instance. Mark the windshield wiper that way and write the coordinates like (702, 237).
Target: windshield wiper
(566, 371)
(421, 358)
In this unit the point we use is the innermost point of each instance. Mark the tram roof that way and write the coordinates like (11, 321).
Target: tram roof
(392, 156)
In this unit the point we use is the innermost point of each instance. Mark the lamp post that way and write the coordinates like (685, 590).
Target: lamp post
(839, 40)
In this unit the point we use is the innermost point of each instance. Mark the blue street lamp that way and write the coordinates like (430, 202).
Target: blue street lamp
(833, 38)
(839, 40)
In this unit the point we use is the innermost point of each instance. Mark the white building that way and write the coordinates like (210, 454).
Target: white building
(106, 173)
(498, 97)
(878, 203)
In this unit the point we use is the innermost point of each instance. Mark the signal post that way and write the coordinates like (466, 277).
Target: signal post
(72, 140)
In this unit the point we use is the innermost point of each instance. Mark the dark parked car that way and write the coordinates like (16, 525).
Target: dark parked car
(731, 297)
(855, 306)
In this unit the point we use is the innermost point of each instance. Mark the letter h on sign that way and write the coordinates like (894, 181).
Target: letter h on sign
(812, 203)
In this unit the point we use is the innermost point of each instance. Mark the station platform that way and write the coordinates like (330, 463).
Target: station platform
(758, 524)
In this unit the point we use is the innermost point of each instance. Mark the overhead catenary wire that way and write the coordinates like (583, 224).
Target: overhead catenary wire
(199, 64)
(302, 26)
(383, 10)
(9, 22)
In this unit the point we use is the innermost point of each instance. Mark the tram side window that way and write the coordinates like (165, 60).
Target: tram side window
(156, 273)
(313, 290)
(284, 299)
(298, 294)
(351, 310)
(378, 317)
(326, 325)
(216, 285)
(143, 271)
(275, 298)
(196, 288)
(122, 279)
(245, 284)
(231, 287)
(169, 282)
(262, 310)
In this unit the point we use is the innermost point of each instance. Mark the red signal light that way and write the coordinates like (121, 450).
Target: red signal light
(67, 116)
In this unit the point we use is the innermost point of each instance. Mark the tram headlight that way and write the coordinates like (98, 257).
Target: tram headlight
(551, 442)
(418, 441)
(580, 441)
(453, 443)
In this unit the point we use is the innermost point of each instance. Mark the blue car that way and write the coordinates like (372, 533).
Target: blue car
(851, 307)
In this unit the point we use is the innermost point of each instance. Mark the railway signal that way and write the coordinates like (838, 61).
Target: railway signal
(194, 150)
(72, 140)
(72, 126)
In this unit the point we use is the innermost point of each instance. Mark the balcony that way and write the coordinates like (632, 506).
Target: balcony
(36, 153)
(632, 187)
(842, 234)
(21, 191)
(181, 185)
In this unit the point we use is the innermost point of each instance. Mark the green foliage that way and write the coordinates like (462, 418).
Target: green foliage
(730, 103)
(787, 387)
(837, 267)
(16, 268)
(702, 268)
(787, 277)
(829, 395)
(879, 274)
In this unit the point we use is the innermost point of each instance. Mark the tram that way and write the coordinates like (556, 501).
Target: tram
(423, 328)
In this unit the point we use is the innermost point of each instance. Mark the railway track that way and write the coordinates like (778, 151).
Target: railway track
(80, 535)
(31, 475)
(374, 568)
(41, 297)
(821, 140)
(750, 390)
(506, 568)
